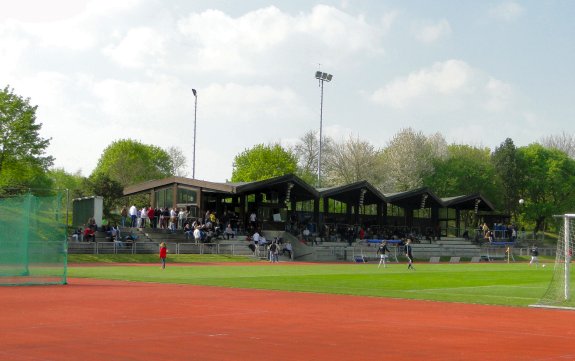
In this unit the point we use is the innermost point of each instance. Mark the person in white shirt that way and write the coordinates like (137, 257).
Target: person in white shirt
(134, 215)
(197, 235)
(144, 217)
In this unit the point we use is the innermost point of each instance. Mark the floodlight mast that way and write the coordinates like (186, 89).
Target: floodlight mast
(195, 113)
(321, 77)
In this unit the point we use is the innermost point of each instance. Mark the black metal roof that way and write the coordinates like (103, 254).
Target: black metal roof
(469, 202)
(349, 193)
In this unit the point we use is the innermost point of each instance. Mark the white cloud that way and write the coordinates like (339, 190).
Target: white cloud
(441, 79)
(499, 94)
(507, 11)
(433, 32)
(260, 38)
(446, 86)
(141, 47)
(40, 11)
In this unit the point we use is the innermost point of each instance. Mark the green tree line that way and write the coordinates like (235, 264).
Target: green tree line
(541, 173)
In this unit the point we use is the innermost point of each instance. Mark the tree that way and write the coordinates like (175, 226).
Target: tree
(504, 160)
(408, 158)
(563, 142)
(547, 183)
(307, 153)
(102, 185)
(263, 162)
(128, 161)
(22, 158)
(178, 162)
(352, 161)
(466, 170)
(64, 180)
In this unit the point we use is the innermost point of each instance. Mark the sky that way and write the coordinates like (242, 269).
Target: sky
(476, 72)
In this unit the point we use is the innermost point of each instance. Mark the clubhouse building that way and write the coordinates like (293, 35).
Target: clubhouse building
(284, 202)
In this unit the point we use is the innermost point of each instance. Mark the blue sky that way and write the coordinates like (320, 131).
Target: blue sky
(475, 71)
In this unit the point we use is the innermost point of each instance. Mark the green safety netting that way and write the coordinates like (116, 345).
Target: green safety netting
(33, 244)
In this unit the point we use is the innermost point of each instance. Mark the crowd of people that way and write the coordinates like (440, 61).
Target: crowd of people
(499, 232)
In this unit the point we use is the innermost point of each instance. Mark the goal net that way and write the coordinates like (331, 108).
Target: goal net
(560, 293)
(33, 245)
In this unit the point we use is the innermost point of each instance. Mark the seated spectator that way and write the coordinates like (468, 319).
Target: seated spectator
(77, 235)
(89, 235)
(288, 249)
(188, 230)
(115, 233)
(253, 248)
(229, 231)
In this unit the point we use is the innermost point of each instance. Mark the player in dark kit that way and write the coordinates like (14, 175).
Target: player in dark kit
(409, 254)
(382, 251)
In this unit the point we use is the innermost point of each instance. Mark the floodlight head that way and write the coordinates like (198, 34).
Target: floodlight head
(323, 76)
(329, 76)
(318, 74)
(195, 93)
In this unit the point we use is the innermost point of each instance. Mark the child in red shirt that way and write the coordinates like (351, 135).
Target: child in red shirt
(163, 254)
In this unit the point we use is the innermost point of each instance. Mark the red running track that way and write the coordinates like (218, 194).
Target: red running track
(111, 320)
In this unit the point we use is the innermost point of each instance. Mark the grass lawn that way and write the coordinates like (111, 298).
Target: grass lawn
(514, 284)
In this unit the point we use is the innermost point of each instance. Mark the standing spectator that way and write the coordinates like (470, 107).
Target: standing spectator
(134, 215)
(485, 229)
(197, 234)
(253, 220)
(181, 218)
(152, 217)
(124, 214)
(409, 254)
(163, 254)
(144, 217)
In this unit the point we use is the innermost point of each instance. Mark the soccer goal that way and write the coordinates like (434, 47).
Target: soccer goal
(559, 294)
(33, 242)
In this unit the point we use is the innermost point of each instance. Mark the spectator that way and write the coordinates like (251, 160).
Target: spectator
(152, 217)
(89, 235)
(229, 231)
(124, 214)
(253, 220)
(288, 249)
(77, 235)
(181, 218)
(197, 234)
(133, 215)
(188, 230)
(144, 217)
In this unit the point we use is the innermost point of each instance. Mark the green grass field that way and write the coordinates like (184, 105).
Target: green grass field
(514, 284)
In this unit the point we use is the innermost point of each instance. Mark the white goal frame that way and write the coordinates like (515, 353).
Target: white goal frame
(567, 219)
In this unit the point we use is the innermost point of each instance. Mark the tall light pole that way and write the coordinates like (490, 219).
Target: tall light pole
(195, 113)
(322, 77)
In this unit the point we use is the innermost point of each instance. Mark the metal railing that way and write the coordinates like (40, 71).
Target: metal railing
(150, 248)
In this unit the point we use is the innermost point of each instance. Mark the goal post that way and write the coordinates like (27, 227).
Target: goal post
(559, 293)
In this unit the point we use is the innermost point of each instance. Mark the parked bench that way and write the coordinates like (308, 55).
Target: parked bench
(434, 260)
(454, 259)
(475, 259)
